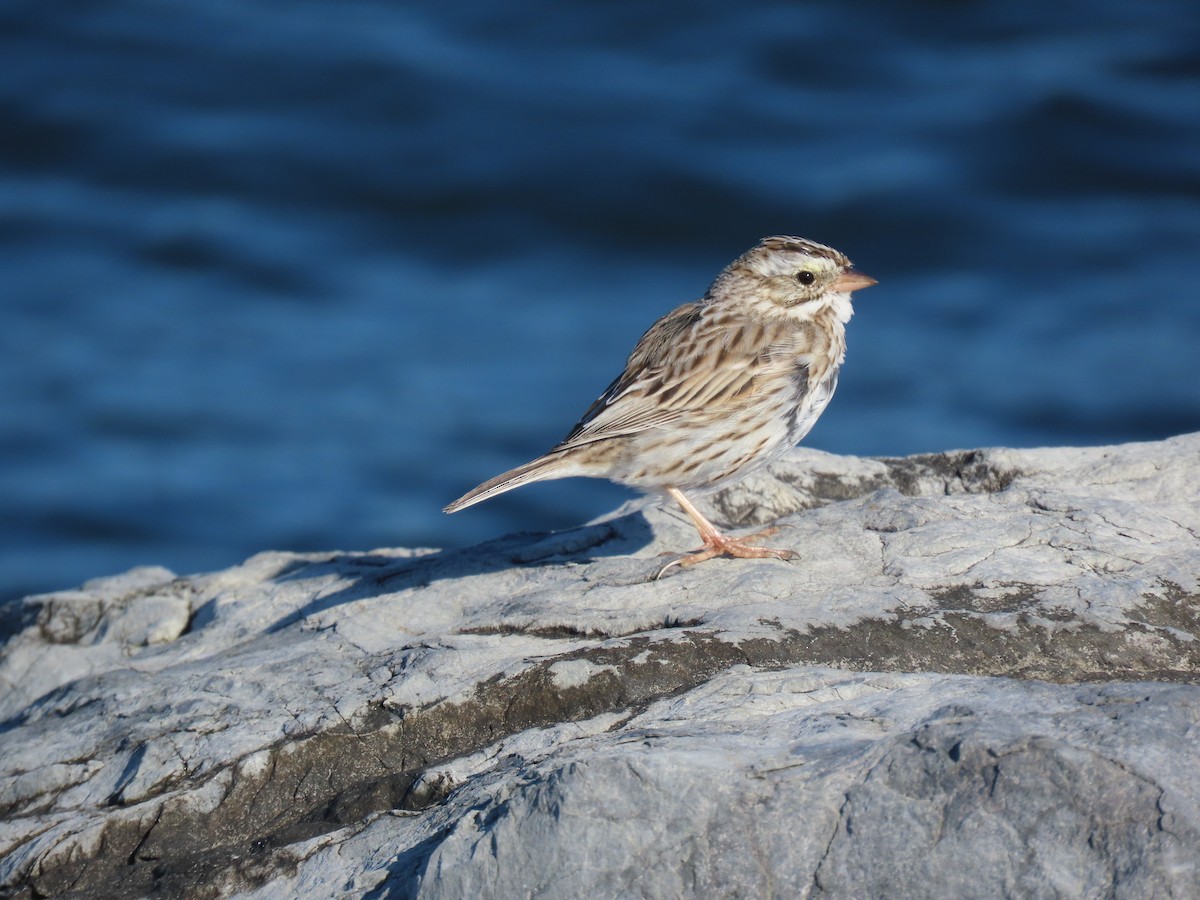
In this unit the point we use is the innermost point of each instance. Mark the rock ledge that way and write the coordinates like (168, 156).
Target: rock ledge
(980, 677)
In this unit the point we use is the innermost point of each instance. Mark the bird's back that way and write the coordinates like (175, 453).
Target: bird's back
(707, 395)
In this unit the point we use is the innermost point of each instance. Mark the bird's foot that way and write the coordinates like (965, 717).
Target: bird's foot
(722, 545)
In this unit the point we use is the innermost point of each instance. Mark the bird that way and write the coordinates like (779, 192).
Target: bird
(715, 389)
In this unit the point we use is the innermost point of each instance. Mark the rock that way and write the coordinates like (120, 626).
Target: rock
(979, 679)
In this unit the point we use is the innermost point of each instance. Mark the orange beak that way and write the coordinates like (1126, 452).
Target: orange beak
(850, 281)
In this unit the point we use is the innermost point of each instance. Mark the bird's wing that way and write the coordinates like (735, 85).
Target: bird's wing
(690, 359)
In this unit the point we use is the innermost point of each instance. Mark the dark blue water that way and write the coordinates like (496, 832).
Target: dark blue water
(294, 275)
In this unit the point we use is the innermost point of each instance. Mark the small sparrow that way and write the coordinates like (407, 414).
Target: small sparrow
(716, 388)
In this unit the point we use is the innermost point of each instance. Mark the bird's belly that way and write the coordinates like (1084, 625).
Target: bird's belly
(705, 452)
(809, 409)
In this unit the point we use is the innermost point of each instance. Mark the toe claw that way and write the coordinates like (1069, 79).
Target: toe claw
(663, 571)
(720, 545)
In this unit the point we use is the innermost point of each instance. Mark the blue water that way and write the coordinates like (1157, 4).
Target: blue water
(294, 275)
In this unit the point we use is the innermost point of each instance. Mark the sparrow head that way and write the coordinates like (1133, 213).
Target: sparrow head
(784, 273)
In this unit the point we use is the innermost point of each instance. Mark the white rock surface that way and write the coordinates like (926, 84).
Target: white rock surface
(979, 679)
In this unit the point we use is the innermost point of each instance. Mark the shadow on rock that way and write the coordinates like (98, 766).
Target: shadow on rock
(375, 574)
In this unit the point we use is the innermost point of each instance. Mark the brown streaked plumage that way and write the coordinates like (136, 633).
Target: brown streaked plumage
(716, 388)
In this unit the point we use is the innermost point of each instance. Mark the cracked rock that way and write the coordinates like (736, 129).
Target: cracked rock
(978, 679)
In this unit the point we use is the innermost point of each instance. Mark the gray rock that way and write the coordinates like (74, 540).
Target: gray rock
(978, 680)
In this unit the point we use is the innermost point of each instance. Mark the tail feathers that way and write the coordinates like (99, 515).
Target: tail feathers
(540, 469)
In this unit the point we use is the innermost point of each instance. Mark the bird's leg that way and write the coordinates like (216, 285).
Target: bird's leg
(718, 544)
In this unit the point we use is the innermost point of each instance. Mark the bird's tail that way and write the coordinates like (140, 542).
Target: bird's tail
(552, 465)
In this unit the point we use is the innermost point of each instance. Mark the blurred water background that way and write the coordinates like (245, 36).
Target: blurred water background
(294, 275)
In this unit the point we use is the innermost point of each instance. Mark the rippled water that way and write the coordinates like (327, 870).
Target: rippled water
(295, 275)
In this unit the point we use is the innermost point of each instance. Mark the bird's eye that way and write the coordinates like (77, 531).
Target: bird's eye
(806, 277)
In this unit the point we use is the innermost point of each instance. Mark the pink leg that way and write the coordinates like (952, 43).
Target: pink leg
(718, 544)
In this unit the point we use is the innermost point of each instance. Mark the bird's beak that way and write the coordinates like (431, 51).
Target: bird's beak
(850, 281)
